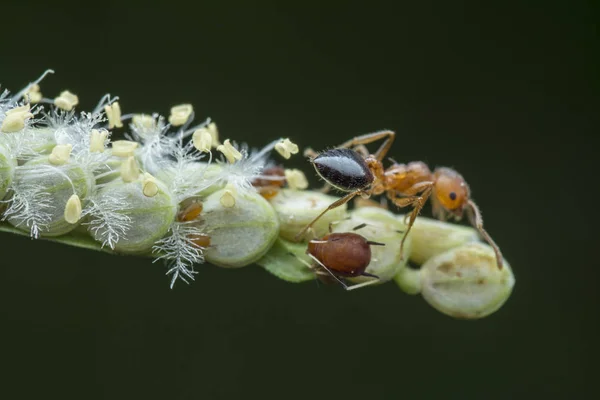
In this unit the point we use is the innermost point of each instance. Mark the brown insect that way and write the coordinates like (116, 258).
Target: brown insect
(343, 255)
(270, 182)
(351, 168)
(192, 213)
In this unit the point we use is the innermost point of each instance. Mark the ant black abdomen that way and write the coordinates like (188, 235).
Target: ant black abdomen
(343, 169)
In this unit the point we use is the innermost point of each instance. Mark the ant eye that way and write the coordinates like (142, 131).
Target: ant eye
(452, 196)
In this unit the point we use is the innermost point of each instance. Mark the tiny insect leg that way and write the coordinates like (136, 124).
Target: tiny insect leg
(328, 270)
(424, 188)
(477, 221)
(370, 138)
(333, 205)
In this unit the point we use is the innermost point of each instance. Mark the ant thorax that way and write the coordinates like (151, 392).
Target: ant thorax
(401, 177)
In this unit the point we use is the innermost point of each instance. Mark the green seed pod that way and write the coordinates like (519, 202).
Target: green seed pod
(431, 237)
(297, 208)
(128, 220)
(242, 227)
(44, 140)
(110, 170)
(198, 174)
(284, 261)
(41, 190)
(465, 282)
(409, 280)
(380, 226)
(7, 170)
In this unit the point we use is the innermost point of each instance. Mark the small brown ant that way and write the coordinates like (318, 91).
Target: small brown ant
(352, 169)
(270, 182)
(343, 255)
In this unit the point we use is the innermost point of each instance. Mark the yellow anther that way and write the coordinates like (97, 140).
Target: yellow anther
(33, 94)
(296, 179)
(130, 170)
(97, 141)
(66, 101)
(286, 148)
(113, 113)
(214, 132)
(60, 154)
(124, 148)
(180, 114)
(15, 119)
(230, 152)
(143, 121)
(202, 140)
(149, 186)
(73, 210)
(228, 197)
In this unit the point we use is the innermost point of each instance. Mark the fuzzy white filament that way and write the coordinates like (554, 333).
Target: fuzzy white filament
(107, 222)
(180, 252)
(31, 205)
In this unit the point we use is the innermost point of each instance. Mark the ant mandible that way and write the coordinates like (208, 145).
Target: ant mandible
(352, 169)
(343, 255)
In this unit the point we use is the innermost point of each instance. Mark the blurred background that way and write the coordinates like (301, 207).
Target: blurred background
(505, 94)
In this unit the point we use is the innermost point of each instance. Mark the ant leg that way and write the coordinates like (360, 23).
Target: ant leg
(328, 270)
(333, 205)
(417, 202)
(370, 138)
(477, 220)
(362, 150)
(359, 285)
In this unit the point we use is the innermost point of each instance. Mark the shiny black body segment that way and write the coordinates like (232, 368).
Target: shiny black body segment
(343, 169)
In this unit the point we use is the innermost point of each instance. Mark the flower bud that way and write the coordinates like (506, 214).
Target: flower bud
(15, 118)
(231, 153)
(465, 282)
(381, 226)
(73, 210)
(7, 170)
(124, 148)
(66, 101)
(149, 186)
(286, 148)
(41, 191)
(239, 235)
(296, 209)
(296, 179)
(113, 114)
(431, 237)
(130, 170)
(98, 141)
(180, 114)
(60, 154)
(147, 218)
(202, 140)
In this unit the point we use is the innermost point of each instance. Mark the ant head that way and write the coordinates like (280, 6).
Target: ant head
(451, 190)
(343, 169)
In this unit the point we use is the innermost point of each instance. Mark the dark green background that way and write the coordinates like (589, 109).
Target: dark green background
(505, 94)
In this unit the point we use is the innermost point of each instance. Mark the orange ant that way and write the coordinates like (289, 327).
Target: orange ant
(352, 169)
(343, 255)
(270, 182)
